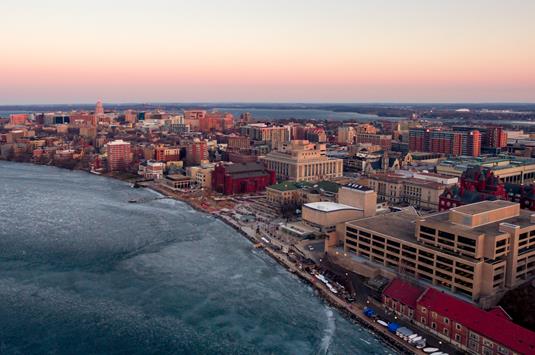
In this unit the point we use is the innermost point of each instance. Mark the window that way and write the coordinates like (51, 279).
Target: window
(487, 351)
(446, 331)
(458, 326)
(465, 240)
(433, 325)
(446, 320)
(423, 320)
(458, 338)
(488, 343)
(502, 350)
(424, 310)
(474, 336)
(427, 230)
(446, 235)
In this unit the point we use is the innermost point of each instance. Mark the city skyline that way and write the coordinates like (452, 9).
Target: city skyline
(411, 51)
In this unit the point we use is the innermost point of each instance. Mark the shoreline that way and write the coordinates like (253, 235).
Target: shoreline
(352, 311)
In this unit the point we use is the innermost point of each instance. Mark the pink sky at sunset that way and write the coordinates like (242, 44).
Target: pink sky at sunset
(344, 51)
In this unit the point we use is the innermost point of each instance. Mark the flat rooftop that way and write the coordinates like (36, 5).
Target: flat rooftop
(482, 207)
(325, 206)
(397, 224)
(442, 220)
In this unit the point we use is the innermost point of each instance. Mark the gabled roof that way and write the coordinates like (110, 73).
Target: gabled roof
(491, 325)
(404, 292)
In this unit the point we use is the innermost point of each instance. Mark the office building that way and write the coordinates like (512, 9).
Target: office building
(477, 251)
(409, 189)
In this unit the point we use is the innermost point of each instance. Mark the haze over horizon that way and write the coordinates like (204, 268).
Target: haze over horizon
(282, 52)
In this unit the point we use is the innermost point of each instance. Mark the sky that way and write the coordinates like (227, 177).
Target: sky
(70, 51)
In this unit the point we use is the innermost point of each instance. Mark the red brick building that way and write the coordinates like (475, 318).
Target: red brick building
(446, 142)
(163, 153)
(216, 121)
(119, 155)
(18, 119)
(196, 152)
(463, 324)
(400, 297)
(241, 178)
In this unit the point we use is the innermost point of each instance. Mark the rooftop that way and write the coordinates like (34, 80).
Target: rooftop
(489, 324)
(409, 179)
(442, 219)
(325, 206)
(118, 142)
(482, 207)
(493, 162)
(403, 291)
(357, 187)
(398, 224)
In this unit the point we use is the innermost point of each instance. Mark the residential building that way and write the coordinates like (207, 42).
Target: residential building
(272, 134)
(151, 169)
(119, 155)
(196, 152)
(166, 153)
(446, 142)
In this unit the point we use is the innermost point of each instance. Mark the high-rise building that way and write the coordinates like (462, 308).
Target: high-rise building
(193, 117)
(196, 152)
(272, 134)
(491, 136)
(119, 155)
(445, 142)
(346, 135)
(216, 121)
(303, 161)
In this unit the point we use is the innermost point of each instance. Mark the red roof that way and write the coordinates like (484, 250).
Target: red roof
(491, 325)
(500, 312)
(404, 292)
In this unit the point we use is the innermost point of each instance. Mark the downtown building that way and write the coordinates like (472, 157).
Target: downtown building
(119, 155)
(274, 135)
(303, 161)
(455, 143)
(196, 152)
(476, 251)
